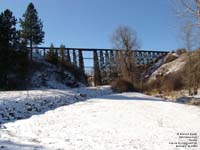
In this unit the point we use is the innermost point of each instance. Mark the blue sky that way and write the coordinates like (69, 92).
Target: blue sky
(90, 23)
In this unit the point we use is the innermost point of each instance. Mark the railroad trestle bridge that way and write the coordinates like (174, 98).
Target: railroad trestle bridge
(90, 59)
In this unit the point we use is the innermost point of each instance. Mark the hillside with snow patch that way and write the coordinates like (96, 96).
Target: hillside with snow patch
(46, 75)
(165, 68)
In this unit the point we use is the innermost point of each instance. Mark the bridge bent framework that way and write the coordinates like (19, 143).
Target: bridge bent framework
(142, 57)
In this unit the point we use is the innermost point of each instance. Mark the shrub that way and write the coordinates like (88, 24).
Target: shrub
(152, 85)
(174, 82)
(77, 72)
(171, 82)
(121, 85)
(181, 51)
(193, 101)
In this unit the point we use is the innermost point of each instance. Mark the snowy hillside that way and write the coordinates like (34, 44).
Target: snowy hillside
(47, 75)
(169, 67)
(128, 121)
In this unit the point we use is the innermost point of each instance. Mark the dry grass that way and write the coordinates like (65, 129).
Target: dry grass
(193, 101)
(168, 95)
(170, 57)
(173, 82)
(121, 85)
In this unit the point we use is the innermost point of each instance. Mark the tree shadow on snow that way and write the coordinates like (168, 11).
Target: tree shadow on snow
(9, 145)
(129, 97)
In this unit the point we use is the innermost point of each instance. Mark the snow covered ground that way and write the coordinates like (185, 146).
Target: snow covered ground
(15, 105)
(128, 121)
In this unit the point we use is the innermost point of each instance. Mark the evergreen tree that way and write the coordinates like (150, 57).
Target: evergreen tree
(31, 26)
(12, 50)
(62, 53)
(52, 55)
(81, 63)
(21, 65)
(97, 74)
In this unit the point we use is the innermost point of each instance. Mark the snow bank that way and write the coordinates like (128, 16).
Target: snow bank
(16, 105)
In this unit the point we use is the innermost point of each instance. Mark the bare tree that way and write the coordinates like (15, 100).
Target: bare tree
(188, 9)
(188, 47)
(125, 38)
(189, 38)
